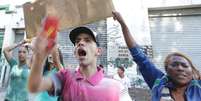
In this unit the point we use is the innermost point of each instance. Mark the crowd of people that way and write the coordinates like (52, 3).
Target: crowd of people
(45, 73)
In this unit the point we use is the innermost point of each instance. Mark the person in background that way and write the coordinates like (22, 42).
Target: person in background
(17, 87)
(181, 81)
(102, 67)
(121, 77)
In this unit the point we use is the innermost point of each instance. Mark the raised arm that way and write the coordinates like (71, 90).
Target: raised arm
(36, 80)
(149, 71)
(127, 36)
(42, 46)
(8, 50)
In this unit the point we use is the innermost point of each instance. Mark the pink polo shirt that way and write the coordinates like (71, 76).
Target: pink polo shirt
(72, 86)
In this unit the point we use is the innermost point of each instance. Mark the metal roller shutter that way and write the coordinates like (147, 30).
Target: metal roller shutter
(180, 30)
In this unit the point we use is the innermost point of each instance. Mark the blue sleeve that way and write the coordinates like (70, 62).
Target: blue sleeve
(148, 70)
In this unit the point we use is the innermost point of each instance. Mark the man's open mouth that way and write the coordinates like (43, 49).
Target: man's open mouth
(82, 52)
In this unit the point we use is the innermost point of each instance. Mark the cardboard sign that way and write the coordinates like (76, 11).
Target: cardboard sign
(71, 13)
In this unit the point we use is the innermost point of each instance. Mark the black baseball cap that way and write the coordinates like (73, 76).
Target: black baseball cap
(76, 31)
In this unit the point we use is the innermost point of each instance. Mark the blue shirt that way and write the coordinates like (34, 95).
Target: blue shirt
(157, 80)
(17, 88)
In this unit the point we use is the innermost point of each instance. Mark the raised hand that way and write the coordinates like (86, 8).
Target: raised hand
(126, 33)
(42, 45)
(45, 40)
(117, 16)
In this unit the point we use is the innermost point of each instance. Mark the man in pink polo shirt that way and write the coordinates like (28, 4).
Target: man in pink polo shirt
(87, 83)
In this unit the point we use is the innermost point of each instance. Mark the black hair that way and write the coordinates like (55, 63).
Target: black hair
(122, 68)
(46, 66)
(47, 63)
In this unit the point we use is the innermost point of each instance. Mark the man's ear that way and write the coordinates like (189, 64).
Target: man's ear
(99, 51)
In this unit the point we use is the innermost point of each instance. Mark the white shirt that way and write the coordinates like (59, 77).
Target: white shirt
(126, 84)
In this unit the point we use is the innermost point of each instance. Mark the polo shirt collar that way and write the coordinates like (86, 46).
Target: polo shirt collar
(94, 79)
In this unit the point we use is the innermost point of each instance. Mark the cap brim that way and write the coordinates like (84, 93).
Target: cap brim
(75, 32)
